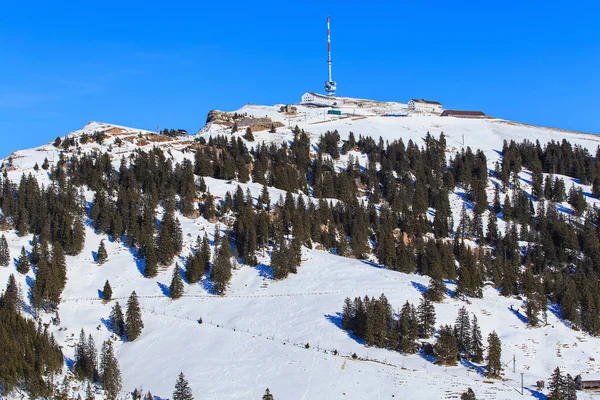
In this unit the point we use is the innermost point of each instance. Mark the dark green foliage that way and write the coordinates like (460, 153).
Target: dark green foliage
(446, 348)
(248, 135)
(10, 300)
(476, 342)
(436, 291)
(176, 287)
(561, 387)
(77, 242)
(426, 313)
(23, 264)
(134, 323)
(468, 395)
(102, 255)
(182, 389)
(493, 367)
(28, 353)
(462, 331)
(117, 320)
(221, 270)
(86, 359)
(110, 373)
(107, 291)
(4, 252)
(150, 263)
(372, 320)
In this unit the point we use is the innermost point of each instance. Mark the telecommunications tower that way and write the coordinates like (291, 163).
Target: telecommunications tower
(330, 85)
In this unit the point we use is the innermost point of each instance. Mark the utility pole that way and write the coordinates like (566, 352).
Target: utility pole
(522, 384)
(514, 362)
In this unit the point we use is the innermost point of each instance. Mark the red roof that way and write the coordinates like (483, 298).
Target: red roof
(426, 101)
(451, 113)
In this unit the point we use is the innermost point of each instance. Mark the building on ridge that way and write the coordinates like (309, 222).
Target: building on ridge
(463, 114)
(425, 105)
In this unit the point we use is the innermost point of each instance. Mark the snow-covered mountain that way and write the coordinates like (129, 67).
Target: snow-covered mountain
(256, 335)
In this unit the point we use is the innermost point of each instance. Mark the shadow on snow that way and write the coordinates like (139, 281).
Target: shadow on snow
(337, 321)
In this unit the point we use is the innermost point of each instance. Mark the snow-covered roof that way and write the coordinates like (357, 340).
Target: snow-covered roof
(426, 101)
(590, 376)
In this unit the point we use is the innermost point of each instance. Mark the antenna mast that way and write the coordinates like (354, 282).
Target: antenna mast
(330, 85)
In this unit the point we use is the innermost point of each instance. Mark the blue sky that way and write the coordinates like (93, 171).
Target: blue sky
(145, 64)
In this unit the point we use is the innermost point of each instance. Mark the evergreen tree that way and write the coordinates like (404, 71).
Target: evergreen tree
(436, 291)
(134, 323)
(426, 313)
(445, 347)
(23, 263)
(117, 321)
(150, 263)
(248, 135)
(556, 385)
(221, 271)
(468, 395)
(149, 396)
(77, 242)
(569, 388)
(102, 254)
(176, 287)
(462, 330)
(110, 372)
(107, 291)
(494, 364)
(4, 252)
(10, 300)
(476, 342)
(182, 389)
(268, 395)
(89, 392)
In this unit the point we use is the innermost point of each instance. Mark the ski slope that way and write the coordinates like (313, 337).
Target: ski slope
(255, 337)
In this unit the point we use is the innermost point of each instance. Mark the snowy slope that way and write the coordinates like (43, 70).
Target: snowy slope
(255, 336)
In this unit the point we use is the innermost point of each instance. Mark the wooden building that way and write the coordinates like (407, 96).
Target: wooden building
(588, 381)
(462, 114)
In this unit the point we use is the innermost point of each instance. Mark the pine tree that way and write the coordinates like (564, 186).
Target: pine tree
(221, 271)
(23, 264)
(134, 323)
(117, 321)
(4, 252)
(89, 392)
(149, 396)
(569, 388)
(176, 287)
(150, 263)
(110, 372)
(462, 330)
(445, 347)
(468, 395)
(182, 389)
(10, 300)
(248, 135)
(268, 395)
(78, 237)
(476, 342)
(102, 254)
(494, 364)
(556, 385)
(426, 313)
(107, 291)
(436, 291)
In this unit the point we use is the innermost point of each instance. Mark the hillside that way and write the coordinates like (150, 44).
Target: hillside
(286, 334)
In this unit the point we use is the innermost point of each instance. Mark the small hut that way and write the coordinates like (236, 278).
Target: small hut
(588, 381)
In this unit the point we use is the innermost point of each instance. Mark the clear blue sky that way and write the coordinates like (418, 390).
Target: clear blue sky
(145, 64)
